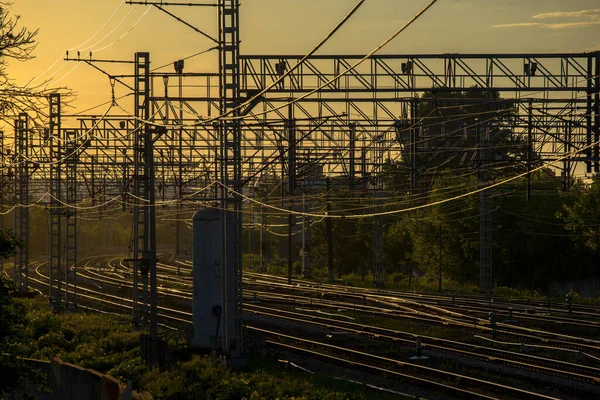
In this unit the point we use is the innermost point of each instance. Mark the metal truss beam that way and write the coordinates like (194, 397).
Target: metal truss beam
(56, 204)
(21, 182)
(553, 102)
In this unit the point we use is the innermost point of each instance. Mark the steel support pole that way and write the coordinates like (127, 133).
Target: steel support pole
(291, 186)
(485, 213)
(414, 145)
(529, 147)
(262, 266)
(141, 210)
(22, 154)
(231, 177)
(179, 172)
(306, 273)
(377, 222)
(352, 158)
(329, 226)
(56, 203)
(597, 112)
(589, 114)
(71, 223)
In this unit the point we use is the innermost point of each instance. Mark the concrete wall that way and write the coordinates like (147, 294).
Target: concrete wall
(71, 382)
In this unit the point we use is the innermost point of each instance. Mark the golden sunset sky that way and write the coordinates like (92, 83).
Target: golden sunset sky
(290, 27)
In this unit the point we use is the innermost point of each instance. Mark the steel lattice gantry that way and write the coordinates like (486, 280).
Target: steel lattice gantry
(388, 100)
(560, 89)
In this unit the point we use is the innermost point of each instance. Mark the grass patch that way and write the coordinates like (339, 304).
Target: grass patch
(108, 344)
(207, 378)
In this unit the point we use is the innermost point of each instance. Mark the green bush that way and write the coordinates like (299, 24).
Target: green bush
(207, 378)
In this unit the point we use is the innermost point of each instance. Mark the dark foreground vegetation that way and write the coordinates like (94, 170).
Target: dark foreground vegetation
(107, 343)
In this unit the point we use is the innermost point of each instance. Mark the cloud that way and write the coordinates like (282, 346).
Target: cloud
(593, 14)
(562, 25)
(518, 25)
(570, 19)
(566, 25)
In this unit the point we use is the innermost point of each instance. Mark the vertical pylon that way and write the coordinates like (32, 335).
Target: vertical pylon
(377, 223)
(144, 314)
(140, 246)
(56, 199)
(71, 215)
(22, 152)
(485, 212)
(3, 185)
(414, 145)
(231, 176)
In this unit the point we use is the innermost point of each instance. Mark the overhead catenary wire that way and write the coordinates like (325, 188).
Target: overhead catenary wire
(338, 26)
(437, 202)
(351, 68)
(82, 44)
(124, 34)
(111, 32)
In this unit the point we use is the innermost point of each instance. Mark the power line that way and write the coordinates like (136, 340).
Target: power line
(392, 212)
(82, 44)
(369, 55)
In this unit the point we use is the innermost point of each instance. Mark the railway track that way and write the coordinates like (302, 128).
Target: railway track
(448, 316)
(392, 309)
(563, 370)
(470, 300)
(442, 380)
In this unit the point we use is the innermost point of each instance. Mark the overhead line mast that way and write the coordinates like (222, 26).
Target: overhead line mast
(230, 173)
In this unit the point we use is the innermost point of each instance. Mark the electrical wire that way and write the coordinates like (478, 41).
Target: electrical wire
(352, 68)
(82, 44)
(125, 34)
(186, 58)
(491, 186)
(338, 26)
(112, 31)
(301, 62)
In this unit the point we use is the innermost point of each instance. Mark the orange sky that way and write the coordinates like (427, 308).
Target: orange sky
(291, 26)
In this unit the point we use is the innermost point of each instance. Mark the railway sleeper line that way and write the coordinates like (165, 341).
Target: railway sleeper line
(516, 332)
(120, 305)
(545, 366)
(399, 369)
(450, 347)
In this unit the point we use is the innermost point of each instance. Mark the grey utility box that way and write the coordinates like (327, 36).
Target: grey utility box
(207, 307)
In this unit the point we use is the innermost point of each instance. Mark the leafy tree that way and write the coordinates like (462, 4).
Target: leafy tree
(352, 238)
(582, 217)
(12, 321)
(532, 244)
(8, 243)
(17, 43)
